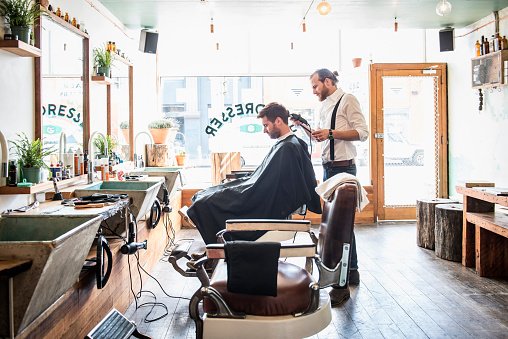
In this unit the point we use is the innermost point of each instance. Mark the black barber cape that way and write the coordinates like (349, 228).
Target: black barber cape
(283, 182)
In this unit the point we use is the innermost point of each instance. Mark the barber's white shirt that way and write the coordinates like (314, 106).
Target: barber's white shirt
(349, 116)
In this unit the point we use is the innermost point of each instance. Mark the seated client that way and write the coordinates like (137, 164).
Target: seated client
(283, 182)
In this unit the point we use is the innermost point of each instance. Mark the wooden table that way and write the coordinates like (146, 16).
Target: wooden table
(485, 231)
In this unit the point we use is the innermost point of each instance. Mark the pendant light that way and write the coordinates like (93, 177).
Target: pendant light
(395, 25)
(211, 25)
(443, 8)
(324, 7)
(304, 26)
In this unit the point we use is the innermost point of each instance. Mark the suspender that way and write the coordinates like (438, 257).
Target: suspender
(332, 126)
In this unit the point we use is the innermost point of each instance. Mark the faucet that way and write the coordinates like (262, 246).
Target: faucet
(90, 153)
(62, 146)
(5, 160)
(135, 139)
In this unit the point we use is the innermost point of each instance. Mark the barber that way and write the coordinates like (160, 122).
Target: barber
(340, 123)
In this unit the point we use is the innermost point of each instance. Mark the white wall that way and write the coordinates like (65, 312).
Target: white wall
(477, 139)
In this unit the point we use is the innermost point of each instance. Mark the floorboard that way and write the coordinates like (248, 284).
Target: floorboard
(405, 292)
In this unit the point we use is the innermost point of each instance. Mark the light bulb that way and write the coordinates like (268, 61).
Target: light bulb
(443, 8)
(324, 8)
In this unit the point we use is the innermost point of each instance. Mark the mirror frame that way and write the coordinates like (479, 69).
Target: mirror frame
(131, 104)
(38, 74)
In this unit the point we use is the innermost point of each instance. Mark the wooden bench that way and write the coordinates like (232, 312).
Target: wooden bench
(485, 232)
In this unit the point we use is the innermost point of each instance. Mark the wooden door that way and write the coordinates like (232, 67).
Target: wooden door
(408, 137)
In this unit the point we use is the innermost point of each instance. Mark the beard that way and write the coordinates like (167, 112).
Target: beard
(274, 133)
(325, 92)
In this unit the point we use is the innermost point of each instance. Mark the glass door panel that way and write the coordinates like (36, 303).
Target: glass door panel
(410, 135)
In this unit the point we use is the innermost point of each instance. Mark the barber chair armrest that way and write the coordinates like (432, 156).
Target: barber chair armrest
(267, 225)
(216, 251)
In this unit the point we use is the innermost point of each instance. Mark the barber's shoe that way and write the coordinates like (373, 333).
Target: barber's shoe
(354, 277)
(338, 296)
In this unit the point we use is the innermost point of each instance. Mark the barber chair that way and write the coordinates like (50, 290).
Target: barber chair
(300, 307)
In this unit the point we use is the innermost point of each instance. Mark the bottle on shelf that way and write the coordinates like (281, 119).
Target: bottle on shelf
(477, 48)
(505, 42)
(85, 162)
(12, 176)
(486, 49)
(74, 22)
(482, 52)
(499, 42)
(58, 12)
(66, 16)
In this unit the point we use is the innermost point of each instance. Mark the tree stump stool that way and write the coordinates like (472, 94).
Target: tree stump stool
(425, 221)
(449, 231)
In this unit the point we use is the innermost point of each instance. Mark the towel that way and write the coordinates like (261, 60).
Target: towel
(252, 267)
(326, 189)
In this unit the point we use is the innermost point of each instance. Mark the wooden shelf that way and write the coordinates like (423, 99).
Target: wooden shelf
(45, 186)
(483, 194)
(64, 23)
(20, 48)
(496, 222)
(101, 79)
(485, 231)
(121, 59)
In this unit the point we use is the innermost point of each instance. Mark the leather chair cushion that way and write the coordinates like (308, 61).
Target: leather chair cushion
(337, 223)
(293, 293)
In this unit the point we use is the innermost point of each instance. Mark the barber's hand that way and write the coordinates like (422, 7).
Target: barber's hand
(320, 134)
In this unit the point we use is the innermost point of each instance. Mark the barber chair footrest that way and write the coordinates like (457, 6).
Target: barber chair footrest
(254, 327)
(115, 326)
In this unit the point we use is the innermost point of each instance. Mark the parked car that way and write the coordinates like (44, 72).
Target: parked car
(398, 150)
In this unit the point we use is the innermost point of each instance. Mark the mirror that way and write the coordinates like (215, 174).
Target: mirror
(62, 95)
(120, 124)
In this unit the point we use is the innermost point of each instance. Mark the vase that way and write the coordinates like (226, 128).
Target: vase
(160, 135)
(32, 174)
(23, 33)
(103, 70)
(357, 62)
(180, 160)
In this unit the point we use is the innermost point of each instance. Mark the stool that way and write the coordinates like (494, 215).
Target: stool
(425, 222)
(449, 231)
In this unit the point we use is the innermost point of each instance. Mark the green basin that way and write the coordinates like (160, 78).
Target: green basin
(170, 175)
(122, 186)
(142, 194)
(57, 247)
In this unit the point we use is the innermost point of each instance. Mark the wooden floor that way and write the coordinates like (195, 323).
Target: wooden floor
(405, 292)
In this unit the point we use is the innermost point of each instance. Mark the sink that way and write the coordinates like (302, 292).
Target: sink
(170, 175)
(142, 194)
(57, 246)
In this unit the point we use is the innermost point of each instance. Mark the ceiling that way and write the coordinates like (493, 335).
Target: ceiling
(345, 13)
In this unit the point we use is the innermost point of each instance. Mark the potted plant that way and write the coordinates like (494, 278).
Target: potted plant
(102, 61)
(124, 126)
(20, 15)
(31, 157)
(161, 128)
(99, 144)
(180, 158)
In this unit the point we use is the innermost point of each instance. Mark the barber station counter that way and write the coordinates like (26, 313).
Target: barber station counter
(82, 307)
